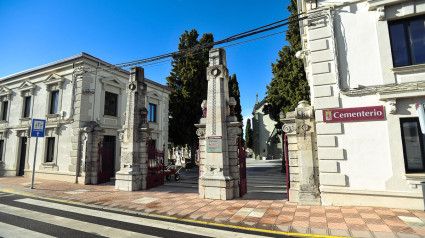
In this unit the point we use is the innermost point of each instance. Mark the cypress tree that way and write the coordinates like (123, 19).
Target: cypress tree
(248, 134)
(234, 92)
(289, 84)
(189, 86)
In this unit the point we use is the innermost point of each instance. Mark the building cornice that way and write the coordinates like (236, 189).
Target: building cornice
(82, 58)
(373, 4)
(386, 89)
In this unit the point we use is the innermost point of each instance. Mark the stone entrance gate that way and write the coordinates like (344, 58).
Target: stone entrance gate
(218, 134)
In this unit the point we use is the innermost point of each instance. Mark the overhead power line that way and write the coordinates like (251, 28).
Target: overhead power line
(200, 53)
(236, 37)
(183, 53)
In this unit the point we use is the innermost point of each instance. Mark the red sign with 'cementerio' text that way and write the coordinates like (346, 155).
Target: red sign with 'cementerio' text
(354, 114)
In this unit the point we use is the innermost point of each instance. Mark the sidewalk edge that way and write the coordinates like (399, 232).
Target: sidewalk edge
(19, 192)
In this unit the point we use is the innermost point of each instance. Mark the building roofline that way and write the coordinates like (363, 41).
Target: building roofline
(258, 105)
(81, 55)
(158, 84)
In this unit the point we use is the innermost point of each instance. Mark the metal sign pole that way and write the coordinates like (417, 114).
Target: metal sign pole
(38, 127)
(33, 165)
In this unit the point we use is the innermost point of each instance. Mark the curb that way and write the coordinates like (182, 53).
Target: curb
(23, 193)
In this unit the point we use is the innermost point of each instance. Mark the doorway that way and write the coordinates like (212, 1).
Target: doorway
(106, 159)
(22, 155)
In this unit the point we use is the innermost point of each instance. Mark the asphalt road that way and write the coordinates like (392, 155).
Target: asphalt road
(22, 216)
(265, 181)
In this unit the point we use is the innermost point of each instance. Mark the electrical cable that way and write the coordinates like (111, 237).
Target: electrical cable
(227, 46)
(226, 40)
(182, 53)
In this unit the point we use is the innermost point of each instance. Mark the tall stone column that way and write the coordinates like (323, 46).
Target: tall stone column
(132, 174)
(215, 181)
(302, 146)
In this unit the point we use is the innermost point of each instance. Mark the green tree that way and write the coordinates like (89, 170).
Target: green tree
(289, 84)
(189, 86)
(248, 134)
(234, 92)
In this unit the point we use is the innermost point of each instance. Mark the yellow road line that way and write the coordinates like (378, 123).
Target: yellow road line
(14, 191)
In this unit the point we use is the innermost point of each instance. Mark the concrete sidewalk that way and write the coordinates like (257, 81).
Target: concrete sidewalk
(269, 215)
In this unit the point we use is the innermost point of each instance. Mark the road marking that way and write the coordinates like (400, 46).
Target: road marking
(14, 191)
(7, 230)
(5, 195)
(69, 223)
(139, 220)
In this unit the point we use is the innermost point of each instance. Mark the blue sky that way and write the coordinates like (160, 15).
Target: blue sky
(33, 33)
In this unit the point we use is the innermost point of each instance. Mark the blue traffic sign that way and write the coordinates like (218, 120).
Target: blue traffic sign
(38, 127)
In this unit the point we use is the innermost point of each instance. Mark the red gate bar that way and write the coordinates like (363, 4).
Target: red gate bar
(242, 169)
(285, 140)
(155, 176)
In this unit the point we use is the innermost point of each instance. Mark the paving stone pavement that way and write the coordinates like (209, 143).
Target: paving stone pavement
(180, 199)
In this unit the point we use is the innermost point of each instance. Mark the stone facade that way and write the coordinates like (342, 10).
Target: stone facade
(77, 88)
(350, 63)
(267, 142)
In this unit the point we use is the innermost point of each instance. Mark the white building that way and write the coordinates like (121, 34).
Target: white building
(266, 140)
(368, 53)
(83, 100)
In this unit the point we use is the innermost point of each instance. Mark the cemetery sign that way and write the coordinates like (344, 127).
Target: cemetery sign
(354, 114)
(214, 144)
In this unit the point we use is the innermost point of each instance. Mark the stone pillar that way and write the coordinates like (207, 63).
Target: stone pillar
(200, 132)
(85, 148)
(88, 157)
(133, 168)
(97, 135)
(233, 133)
(216, 181)
(299, 127)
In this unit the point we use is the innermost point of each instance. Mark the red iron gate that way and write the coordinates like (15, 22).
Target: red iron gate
(155, 161)
(288, 183)
(242, 169)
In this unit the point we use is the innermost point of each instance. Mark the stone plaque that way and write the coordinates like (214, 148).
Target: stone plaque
(214, 144)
